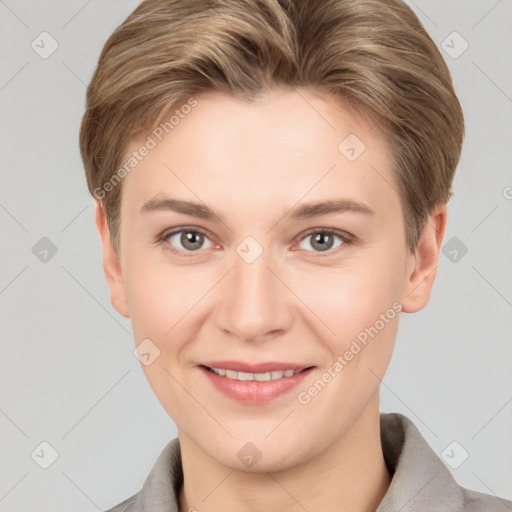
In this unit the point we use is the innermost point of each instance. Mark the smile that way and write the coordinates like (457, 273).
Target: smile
(254, 383)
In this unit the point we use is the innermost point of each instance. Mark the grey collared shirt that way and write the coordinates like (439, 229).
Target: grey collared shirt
(420, 480)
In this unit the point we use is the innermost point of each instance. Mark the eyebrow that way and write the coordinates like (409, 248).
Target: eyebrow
(304, 211)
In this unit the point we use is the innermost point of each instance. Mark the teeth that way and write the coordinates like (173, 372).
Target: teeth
(262, 376)
(231, 374)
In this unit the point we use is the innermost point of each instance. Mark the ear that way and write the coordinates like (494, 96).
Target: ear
(422, 269)
(111, 263)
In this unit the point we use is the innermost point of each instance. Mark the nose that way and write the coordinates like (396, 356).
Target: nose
(253, 303)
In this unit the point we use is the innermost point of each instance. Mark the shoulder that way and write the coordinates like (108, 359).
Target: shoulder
(474, 501)
(160, 490)
(128, 505)
(420, 479)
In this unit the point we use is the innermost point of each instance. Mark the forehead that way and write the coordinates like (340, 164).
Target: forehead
(285, 145)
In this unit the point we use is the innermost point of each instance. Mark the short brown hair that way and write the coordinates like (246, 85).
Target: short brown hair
(375, 54)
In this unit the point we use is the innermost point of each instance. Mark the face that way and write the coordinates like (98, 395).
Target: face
(291, 259)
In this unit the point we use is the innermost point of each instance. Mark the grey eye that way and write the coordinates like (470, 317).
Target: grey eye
(321, 241)
(190, 240)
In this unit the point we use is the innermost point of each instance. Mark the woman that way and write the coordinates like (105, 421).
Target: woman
(271, 180)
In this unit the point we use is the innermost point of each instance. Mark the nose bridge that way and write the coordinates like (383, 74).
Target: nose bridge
(254, 301)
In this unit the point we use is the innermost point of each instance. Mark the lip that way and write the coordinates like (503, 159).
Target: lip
(254, 392)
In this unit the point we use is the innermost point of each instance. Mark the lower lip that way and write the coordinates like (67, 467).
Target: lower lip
(254, 391)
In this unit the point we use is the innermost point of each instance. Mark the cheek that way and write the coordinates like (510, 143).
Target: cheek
(351, 297)
(162, 301)
(371, 317)
(160, 296)
(342, 300)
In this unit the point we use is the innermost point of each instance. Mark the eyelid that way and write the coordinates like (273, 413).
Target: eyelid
(172, 231)
(342, 234)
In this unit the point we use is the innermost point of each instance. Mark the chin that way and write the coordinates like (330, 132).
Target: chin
(260, 455)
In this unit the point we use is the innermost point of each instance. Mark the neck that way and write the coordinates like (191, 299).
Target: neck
(351, 475)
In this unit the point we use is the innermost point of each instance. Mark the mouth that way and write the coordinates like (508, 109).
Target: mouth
(254, 383)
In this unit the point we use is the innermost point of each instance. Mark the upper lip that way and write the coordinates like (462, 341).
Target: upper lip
(240, 366)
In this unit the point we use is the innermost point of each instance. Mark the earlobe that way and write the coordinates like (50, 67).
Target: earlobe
(111, 263)
(424, 262)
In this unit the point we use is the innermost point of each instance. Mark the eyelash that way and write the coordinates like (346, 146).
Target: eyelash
(344, 237)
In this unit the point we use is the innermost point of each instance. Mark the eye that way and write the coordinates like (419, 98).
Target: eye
(323, 240)
(187, 240)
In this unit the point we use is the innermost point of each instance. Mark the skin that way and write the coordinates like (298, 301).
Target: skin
(253, 162)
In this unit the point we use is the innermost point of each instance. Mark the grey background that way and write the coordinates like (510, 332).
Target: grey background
(68, 375)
